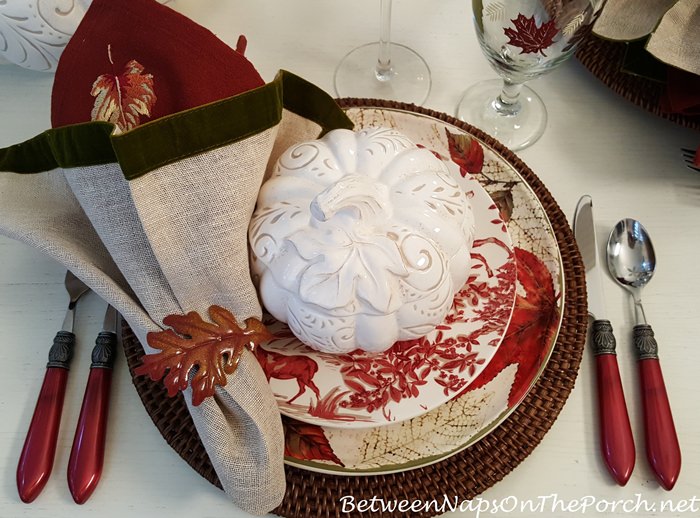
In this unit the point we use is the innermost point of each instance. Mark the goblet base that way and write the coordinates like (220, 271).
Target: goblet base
(516, 130)
(407, 80)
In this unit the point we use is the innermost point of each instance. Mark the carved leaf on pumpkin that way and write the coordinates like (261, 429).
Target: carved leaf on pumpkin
(203, 351)
(123, 99)
(353, 266)
(305, 441)
(532, 327)
(529, 37)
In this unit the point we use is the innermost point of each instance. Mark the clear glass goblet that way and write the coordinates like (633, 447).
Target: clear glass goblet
(383, 69)
(522, 40)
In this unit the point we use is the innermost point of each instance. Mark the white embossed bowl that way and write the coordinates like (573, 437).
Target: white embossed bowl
(359, 240)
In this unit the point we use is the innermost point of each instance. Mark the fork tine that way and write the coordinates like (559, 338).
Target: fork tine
(74, 286)
(689, 157)
(689, 165)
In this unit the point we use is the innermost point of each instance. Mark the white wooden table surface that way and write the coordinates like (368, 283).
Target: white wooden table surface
(595, 143)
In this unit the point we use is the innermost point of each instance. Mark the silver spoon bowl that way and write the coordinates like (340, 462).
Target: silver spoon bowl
(631, 261)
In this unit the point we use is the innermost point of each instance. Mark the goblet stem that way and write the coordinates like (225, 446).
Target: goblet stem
(507, 110)
(383, 69)
(508, 102)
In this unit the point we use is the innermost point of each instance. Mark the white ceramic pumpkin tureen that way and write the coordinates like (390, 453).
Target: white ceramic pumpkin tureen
(360, 239)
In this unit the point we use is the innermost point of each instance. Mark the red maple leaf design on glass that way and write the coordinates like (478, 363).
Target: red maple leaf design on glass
(305, 441)
(529, 37)
(532, 327)
(123, 99)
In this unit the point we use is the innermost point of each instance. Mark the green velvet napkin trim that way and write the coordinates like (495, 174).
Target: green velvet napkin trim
(185, 134)
(310, 102)
(71, 146)
(176, 136)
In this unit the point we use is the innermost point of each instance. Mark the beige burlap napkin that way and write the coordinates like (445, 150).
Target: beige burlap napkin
(672, 28)
(154, 217)
(161, 233)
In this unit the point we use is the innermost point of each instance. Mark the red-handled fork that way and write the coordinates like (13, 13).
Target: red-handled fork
(36, 459)
(87, 454)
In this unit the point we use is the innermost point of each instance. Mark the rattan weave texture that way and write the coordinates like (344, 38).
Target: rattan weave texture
(604, 59)
(463, 475)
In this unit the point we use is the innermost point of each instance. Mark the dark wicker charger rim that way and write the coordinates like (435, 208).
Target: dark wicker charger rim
(463, 475)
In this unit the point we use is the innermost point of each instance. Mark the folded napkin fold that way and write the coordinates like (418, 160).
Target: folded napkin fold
(151, 207)
(671, 27)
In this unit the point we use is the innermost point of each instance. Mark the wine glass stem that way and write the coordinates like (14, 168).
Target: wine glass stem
(383, 69)
(508, 102)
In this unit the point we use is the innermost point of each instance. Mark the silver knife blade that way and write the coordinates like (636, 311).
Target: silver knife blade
(584, 231)
(616, 440)
(110, 322)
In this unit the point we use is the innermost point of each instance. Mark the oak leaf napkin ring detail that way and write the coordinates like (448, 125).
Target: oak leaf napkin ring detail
(200, 353)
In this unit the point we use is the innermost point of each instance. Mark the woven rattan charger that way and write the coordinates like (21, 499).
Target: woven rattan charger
(605, 59)
(465, 474)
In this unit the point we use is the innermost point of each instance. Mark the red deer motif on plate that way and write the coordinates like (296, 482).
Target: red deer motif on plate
(287, 367)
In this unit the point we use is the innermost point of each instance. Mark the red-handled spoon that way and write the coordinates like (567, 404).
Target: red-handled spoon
(87, 454)
(631, 261)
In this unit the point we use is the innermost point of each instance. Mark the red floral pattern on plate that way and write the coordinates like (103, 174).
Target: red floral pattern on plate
(520, 358)
(360, 390)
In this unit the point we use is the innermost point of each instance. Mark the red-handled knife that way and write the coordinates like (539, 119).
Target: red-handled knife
(36, 460)
(87, 454)
(616, 440)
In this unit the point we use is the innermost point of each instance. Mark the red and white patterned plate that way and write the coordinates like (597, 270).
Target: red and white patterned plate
(520, 359)
(363, 390)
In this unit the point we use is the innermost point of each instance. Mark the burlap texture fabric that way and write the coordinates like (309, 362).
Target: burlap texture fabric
(171, 240)
(179, 236)
(151, 208)
(671, 27)
(103, 192)
(41, 211)
(626, 20)
(675, 41)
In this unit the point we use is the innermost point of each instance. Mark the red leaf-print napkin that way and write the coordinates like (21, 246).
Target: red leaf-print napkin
(182, 68)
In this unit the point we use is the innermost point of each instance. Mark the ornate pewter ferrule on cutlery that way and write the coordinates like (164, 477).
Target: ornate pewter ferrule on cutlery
(616, 440)
(36, 459)
(631, 261)
(87, 454)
